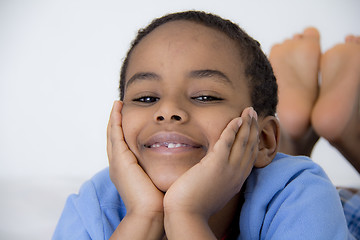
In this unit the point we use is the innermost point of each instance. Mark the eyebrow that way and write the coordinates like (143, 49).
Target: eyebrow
(208, 73)
(142, 76)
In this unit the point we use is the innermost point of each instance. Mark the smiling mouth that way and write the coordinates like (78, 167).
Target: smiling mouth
(171, 145)
(171, 142)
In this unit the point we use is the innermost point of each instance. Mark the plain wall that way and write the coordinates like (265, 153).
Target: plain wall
(59, 73)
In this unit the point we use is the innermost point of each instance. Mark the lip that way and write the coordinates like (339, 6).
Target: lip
(171, 140)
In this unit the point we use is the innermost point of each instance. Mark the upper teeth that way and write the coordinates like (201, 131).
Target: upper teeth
(168, 145)
(175, 145)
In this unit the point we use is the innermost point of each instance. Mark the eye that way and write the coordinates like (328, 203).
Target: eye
(146, 99)
(206, 98)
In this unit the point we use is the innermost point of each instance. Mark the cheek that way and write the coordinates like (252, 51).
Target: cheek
(214, 125)
(131, 125)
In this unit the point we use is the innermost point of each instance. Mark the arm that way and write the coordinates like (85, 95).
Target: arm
(143, 201)
(140, 227)
(211, 184)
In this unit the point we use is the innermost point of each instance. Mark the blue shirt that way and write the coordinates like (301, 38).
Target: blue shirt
(291, 198)
(351, 204)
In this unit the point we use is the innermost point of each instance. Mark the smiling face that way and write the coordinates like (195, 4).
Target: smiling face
(184, 83)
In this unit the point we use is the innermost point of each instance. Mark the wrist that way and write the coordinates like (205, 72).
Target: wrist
(184, 225)
(143, 215)
(136, 226)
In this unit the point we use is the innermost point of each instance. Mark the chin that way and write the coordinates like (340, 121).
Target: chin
(164, 171)
(164, 181)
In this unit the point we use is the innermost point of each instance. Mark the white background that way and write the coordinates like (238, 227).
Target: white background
(59, 73)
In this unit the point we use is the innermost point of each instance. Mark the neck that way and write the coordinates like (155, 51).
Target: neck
(220, 223)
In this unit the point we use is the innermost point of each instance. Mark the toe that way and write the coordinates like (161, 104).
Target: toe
(350, 38)
(297, 36)
(311, 32)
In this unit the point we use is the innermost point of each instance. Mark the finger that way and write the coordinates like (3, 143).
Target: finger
(246, 140)
(108, 130)
(253, 139)
(240, 143)
(108, 141)
(120, 149)
(114, 129)
(115, 122)
(252, 147)
(226, 140)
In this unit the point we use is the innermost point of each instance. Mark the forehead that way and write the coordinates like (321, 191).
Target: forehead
(191, 45)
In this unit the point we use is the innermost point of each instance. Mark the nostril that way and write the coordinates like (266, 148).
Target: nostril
(176, 117)
(160, 118)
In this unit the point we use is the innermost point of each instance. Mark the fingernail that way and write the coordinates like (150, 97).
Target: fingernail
(253, 114)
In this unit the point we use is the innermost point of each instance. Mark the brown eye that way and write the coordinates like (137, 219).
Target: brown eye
(146, 99)
(205, 98)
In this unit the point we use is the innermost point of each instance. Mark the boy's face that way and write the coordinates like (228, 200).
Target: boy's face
(184, 83)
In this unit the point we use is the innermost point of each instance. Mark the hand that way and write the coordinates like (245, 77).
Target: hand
(218, 177)
(142, 199)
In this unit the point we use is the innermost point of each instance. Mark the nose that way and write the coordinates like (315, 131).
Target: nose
(169, 112)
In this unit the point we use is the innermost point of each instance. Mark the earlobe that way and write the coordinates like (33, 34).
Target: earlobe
(269, 134)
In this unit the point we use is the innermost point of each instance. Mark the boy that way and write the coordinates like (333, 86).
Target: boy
(186, 137)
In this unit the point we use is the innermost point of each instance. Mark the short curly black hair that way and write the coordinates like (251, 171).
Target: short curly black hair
(261, 79)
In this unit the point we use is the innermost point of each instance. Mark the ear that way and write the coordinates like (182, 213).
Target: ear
(269, 136)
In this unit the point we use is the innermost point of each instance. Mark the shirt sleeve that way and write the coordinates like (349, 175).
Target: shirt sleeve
(292, 198)
(93, 213)
(70, 225)
(307, 208)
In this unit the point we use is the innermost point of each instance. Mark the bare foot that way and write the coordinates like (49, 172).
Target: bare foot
(296, 67)
(336, 113)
